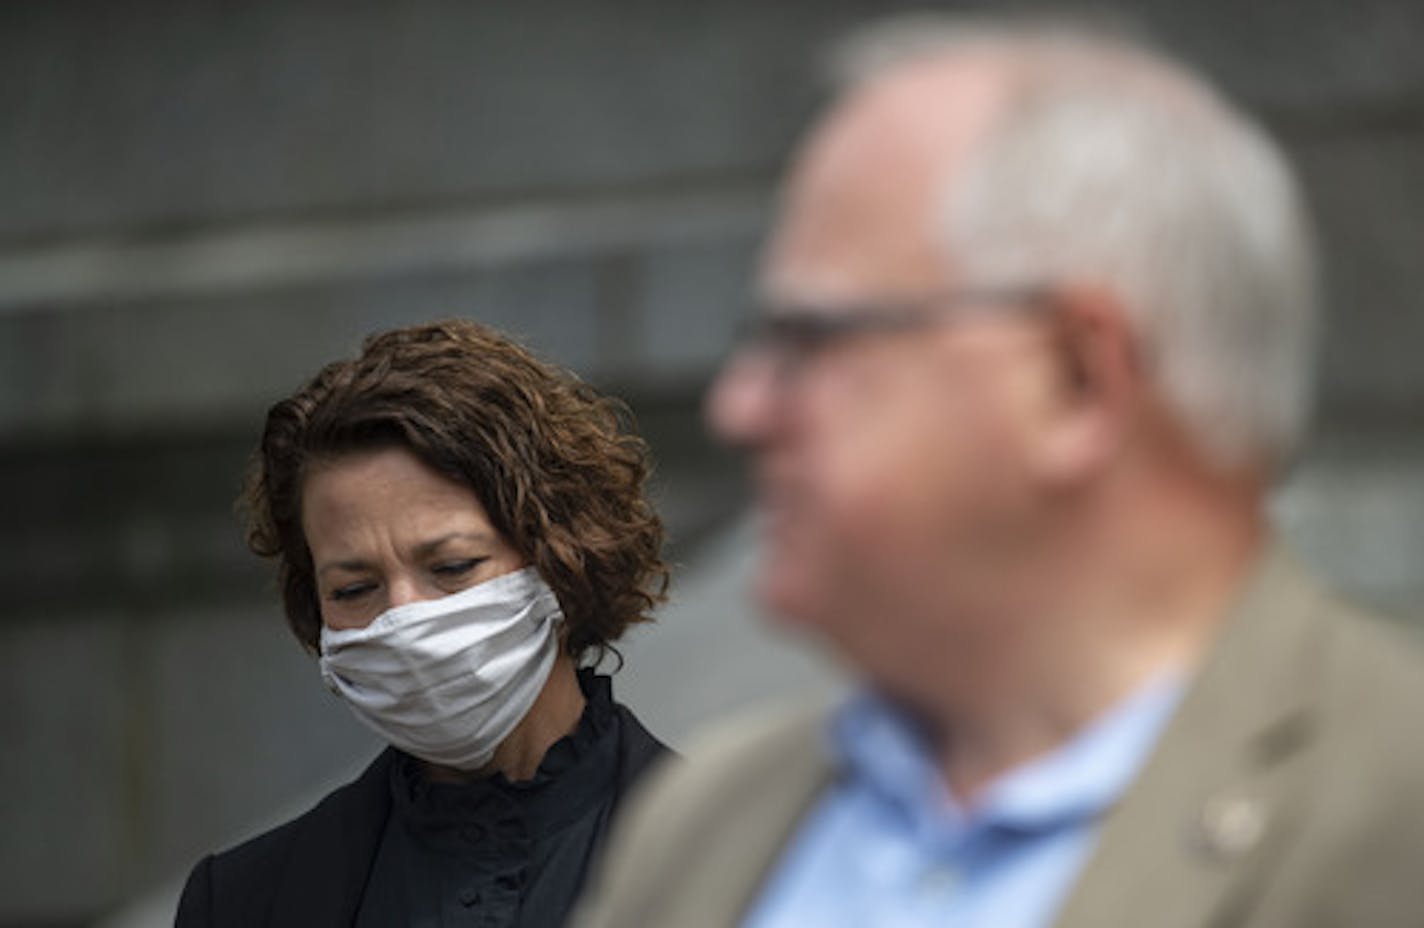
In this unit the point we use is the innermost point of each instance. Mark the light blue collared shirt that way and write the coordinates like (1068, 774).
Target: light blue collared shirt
(888, 845)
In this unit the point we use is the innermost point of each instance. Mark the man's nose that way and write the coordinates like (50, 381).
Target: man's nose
(742, 402)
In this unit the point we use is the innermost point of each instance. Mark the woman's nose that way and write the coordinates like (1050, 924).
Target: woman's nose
(403, 590)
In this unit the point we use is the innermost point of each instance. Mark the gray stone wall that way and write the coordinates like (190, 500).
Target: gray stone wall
(202, 202)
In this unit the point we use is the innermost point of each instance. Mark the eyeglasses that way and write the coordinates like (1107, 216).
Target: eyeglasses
(791, 336)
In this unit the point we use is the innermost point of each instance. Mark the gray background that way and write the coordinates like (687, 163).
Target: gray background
(201, 202)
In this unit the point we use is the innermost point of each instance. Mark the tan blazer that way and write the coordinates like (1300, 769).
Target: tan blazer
(1286, 792)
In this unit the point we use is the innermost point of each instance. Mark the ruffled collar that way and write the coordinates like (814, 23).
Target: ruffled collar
(577, 772)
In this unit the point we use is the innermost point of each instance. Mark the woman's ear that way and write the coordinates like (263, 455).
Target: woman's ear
(1098, 388)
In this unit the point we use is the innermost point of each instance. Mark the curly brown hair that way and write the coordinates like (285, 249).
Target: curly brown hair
(554, 463)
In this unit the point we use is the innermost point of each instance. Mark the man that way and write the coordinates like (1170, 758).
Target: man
(1038, 342)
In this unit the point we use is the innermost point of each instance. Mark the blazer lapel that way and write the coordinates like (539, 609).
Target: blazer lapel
(718, 873)
(332, 851)
(767, 821)
(1218, 796)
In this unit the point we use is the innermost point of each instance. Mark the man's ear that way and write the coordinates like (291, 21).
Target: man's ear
(1099, 385)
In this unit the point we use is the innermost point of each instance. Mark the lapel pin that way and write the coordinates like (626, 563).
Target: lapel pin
(1230, 825)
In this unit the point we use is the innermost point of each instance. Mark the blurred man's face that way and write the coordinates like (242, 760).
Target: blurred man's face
(888, 458)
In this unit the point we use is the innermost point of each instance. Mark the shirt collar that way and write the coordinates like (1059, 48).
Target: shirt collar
(881, 745)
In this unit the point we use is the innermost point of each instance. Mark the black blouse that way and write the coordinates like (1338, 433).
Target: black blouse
(492, 853)
(362, 856)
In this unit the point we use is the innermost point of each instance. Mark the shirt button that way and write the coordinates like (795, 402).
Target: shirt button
(469, 897)
(939, 880)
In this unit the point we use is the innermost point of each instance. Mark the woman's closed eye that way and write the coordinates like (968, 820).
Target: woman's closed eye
(456, 569)
(351, 591)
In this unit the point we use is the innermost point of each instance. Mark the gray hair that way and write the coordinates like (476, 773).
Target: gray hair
(1112, 165)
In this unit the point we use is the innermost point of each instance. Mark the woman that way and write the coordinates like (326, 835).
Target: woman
(457, 527)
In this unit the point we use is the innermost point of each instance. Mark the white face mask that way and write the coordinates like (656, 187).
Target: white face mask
(448, 679)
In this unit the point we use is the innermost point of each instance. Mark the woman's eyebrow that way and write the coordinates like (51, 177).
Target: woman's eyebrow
(426, 548)
(353, 565)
